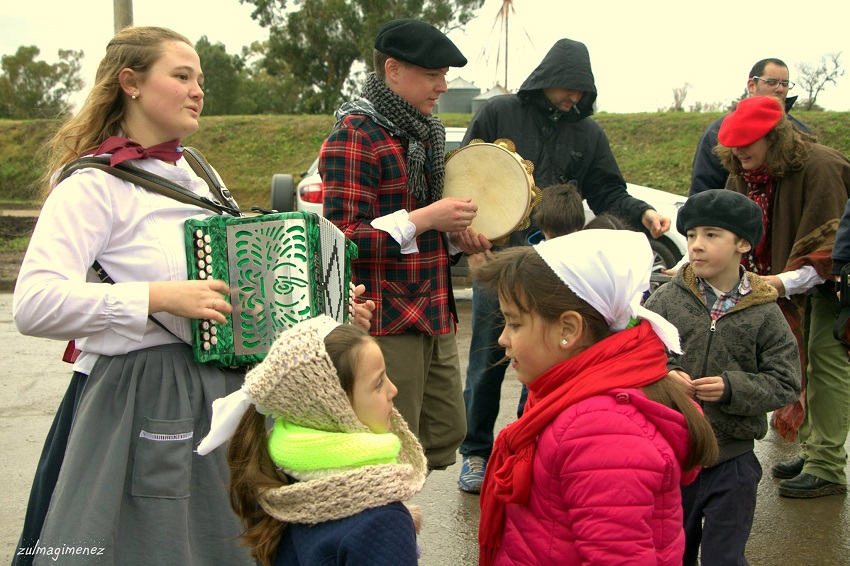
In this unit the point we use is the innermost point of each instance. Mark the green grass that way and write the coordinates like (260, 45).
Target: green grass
(15, 244)
(652, 149)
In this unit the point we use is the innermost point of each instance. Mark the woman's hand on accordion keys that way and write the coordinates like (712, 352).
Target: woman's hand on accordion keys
(190, 299)
(361, 313)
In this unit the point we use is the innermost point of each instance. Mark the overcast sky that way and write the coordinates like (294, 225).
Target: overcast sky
(640, 50)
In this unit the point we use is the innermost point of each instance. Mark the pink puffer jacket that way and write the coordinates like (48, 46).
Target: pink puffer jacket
(606, 487)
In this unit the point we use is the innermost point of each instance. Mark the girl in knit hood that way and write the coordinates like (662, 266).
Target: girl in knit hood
(591, 472)
(327, 484)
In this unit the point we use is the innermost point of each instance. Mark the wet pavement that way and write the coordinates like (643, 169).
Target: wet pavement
(786, 532)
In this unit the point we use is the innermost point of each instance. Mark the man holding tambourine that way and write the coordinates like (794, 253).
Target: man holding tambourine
(549, 123)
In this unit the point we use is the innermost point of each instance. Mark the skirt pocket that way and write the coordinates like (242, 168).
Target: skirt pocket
(162, 465)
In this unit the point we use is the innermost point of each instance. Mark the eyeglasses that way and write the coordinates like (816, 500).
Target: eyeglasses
(773, 83)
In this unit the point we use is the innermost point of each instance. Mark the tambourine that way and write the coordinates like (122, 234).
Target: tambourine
(499, 181)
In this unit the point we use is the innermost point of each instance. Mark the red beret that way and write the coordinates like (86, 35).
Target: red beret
(752, 120)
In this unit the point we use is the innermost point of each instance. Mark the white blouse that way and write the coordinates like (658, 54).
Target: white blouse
(135, 235)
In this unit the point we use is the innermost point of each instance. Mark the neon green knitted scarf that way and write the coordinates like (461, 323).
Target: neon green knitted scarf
(299, 450)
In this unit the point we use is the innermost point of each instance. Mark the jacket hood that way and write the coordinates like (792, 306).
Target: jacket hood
(671, 425)
(566, 65)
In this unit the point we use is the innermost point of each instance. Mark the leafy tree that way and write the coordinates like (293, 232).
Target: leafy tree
(320, 40)
(223, 78)
(267, 93)
(37, 89)
(814, 78)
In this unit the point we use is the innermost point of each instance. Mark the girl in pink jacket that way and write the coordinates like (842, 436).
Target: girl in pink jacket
(591, 473)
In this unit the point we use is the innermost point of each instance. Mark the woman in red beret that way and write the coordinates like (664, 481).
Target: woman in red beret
(801, 187)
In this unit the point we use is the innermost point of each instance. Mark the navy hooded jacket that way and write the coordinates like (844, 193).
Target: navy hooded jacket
(563, 146)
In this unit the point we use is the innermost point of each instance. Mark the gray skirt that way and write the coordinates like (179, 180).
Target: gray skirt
(131, 490)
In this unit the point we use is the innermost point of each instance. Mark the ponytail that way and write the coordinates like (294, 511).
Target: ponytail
(251, 471)
(702, 448)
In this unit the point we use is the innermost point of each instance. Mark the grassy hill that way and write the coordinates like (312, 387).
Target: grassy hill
(653, 149)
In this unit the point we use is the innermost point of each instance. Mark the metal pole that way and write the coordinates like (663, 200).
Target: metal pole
(122, 14)
(506, 44)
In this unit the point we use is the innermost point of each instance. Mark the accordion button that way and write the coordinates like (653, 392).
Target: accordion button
(209, 268)
(205, 325)
(205, 336)
(202, 274)
(208, 249)
(200, 254)
(213, 340)
(198, 233)
(206, 346)
(199, 243)
(201, 264)
(208, 259)
(213, 330)
(207, 238)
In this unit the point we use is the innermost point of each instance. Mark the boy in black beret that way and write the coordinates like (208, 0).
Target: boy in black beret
(740, 362)
(383, 168)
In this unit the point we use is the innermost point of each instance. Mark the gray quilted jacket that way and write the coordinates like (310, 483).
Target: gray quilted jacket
(751, 347)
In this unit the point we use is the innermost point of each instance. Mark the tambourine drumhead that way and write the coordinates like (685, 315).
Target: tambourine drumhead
(496, 180)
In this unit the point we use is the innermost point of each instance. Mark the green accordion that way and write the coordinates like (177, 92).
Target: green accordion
(282, 268)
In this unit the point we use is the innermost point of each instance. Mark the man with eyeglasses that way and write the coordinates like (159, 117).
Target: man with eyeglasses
(768, 77)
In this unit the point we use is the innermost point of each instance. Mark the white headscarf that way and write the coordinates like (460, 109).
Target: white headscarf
(609, 269)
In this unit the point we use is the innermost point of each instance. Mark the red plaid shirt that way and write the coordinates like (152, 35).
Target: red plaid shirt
(364, 173)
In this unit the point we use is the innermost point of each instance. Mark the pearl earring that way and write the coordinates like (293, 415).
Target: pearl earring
(133, 96)
(564, 342)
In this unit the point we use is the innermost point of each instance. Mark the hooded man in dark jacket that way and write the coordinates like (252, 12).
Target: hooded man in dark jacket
(549, 122)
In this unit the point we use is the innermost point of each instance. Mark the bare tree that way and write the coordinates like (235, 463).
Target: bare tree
(679, 96)
(814, 77)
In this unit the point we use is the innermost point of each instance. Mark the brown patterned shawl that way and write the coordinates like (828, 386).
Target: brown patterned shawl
(807, 206)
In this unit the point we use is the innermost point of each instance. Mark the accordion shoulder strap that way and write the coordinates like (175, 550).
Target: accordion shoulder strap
(203, 169)
(152, 182)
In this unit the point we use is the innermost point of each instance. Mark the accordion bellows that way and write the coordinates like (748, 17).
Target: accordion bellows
(282, 268)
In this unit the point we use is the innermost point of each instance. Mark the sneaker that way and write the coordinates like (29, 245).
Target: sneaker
(472, 473)
(806, 486)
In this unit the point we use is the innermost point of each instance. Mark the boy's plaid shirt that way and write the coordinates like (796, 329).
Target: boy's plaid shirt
(727, 301)
(364, 173)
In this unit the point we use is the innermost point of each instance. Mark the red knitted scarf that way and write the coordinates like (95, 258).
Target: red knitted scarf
(631, 358)
(761, 185)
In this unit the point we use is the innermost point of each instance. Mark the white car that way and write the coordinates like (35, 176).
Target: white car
(307, 195)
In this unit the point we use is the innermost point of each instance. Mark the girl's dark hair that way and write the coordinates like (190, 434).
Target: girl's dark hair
(251, 467)
(788, 149)
(521, 276)
(702, 448)
(343, 347)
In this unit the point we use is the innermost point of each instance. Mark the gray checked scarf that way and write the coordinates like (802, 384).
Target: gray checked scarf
(379, 103)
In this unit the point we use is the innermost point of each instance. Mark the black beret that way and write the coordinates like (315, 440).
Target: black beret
(723, 209)
(419, 43)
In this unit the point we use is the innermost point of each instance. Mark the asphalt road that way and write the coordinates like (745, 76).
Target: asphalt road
(786, 532)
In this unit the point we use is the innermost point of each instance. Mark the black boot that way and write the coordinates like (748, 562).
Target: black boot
(806, 486)
(789, 469)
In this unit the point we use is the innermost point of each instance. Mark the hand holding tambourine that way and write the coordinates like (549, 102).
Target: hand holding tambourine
(498, 181)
